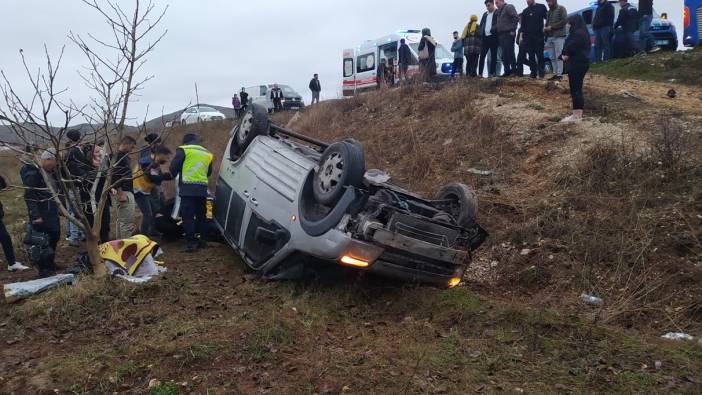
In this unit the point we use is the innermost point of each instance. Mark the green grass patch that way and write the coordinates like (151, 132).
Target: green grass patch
(683, 66)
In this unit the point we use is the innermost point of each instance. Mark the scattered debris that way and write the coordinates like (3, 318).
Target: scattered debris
(671, 93)
(658, 365)
(631, 95)
(448, 142)
(525, 252)
(18, 291)
(478, 172)
(677, 336)
(591, 299)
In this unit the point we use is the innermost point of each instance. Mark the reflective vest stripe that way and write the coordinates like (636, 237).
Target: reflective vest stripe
(196, 164)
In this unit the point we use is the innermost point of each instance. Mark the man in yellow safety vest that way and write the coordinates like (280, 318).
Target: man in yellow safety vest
(193, 163)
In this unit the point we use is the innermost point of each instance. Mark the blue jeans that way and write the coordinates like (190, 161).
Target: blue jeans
(603, 43)
(645, 36)
(145, 205)
(73, 232)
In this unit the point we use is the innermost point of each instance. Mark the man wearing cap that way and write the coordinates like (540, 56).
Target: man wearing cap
(193, 165)
(42, 207)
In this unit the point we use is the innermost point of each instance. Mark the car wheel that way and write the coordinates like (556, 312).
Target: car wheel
(341, 165)
(255, 122)
(461, 203)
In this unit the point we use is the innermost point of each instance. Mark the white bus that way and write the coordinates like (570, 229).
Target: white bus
(361, 63)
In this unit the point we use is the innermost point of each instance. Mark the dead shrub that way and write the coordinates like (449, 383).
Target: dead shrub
(669, 145)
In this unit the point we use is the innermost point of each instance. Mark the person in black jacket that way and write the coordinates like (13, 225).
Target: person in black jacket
(315, 88)
(6, 240)
(532, 36)
(404, 59)
(576, 55)
(628, 23)
(488, 37)
(42, 207)
(602, 24)
(277, 98)
(244, 100)
(77, 167)
(123, 189)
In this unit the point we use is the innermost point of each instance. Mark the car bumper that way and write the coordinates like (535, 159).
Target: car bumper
(293, 105)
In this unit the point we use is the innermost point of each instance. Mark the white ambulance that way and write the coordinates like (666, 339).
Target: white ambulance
(361, 63)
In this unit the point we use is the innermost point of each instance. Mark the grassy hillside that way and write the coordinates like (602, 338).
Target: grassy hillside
(683, 67)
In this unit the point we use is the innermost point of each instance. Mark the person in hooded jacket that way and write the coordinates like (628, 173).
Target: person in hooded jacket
(576, 55)
(472, 46)
(404, 59)
(427, 55)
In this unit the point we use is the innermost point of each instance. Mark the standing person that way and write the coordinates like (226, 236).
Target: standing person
(556, 20)
(277, 97)
(576, 54)
(457, 49)
(427, 55)
(507, 21)
(522, 53)
(193, 163)
(532, 36)
(123, 189)
(96, 183)
(380, 73)
(602, 24)
(244, 100)
(316, 88)
(404, 59)
(645, 19)
(42, 207)
(471, 46)
(77, 167)
(236, 105)
(487, 35)
(147, 177)
(6, 240)
(628, 22)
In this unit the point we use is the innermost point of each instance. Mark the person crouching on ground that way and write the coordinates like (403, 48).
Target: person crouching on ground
(147, 177)
(42, 207)
(193, 163)
(576, 55)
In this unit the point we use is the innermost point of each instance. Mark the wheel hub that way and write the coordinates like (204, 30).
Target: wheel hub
(245, 128)
(331, 171)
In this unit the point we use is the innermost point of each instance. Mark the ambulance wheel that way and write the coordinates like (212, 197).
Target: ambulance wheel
(341, 165)
(254, 123)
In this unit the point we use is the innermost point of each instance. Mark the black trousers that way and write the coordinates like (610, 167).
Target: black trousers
(509, 62)
(7, 247)
(472, 64)
(534, 45)
(576, 76)
(193, 211)
(277, 105)
(490, 44)
(521, 60)
(49, 264)
(457, 67)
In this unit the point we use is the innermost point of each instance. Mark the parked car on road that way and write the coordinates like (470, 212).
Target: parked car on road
(286, 202)
(261, 94)
(692, 19)
(201, 113)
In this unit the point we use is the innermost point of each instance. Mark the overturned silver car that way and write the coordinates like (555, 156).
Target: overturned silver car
(285, 200)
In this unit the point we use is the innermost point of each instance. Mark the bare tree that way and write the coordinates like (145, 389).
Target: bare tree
(112, 73)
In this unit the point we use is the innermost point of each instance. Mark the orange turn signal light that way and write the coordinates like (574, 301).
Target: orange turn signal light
(351, 261)
(454, 281)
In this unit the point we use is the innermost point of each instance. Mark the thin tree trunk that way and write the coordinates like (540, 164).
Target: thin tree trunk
(92, 247)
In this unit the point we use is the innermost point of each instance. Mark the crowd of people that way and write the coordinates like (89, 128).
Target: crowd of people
(538, 29)
(85, 170)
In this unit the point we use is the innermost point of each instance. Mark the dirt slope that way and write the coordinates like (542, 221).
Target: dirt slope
(602, 206)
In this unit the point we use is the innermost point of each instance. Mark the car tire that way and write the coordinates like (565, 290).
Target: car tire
(341, 165)
(254, 122)
(464, 205)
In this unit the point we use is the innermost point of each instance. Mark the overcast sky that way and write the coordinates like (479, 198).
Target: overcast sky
(224, 44)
